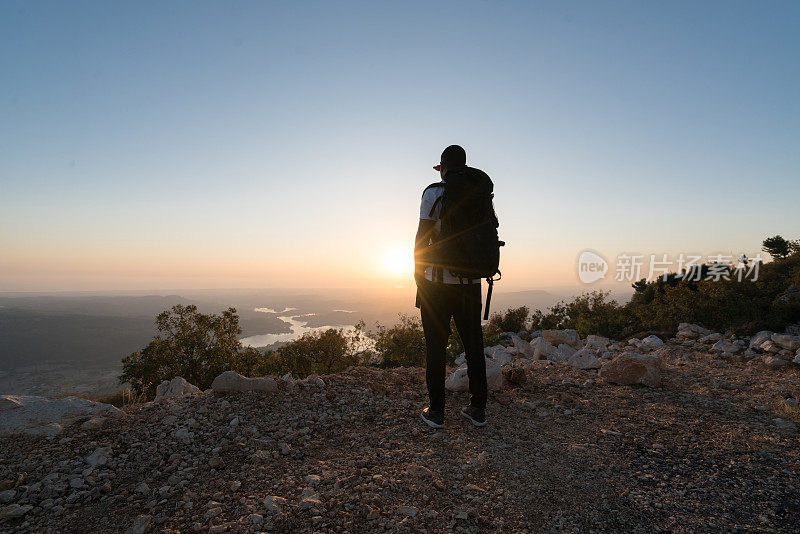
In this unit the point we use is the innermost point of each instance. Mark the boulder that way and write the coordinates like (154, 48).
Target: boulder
(632, 368)
(786, 341)
(313, 381)
(596, 343)
(691, 331)
(797, 357)
(515, 375)
(584, 359)
(503, 356)
(45, 416)
(773, 362)
(141, 524)
(760, 338)
(232, 382)
(726, 345)
(523, 347)
(99, 456)
(459, 380)
(542, 349)
(769, 346)
(650, 342)
(562, 337)
(710, 338)
(175, 388)
(488, 351)
(561, 354)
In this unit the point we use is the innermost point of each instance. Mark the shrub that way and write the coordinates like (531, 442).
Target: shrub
(403, 345)
(770, 303)
(777, 247)
(319, 352)
(589, 313)
(512, 320)
(190, 344)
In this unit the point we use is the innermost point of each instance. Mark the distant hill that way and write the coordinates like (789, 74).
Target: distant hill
(533, 298)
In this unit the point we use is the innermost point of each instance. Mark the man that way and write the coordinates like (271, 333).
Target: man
(442, 295)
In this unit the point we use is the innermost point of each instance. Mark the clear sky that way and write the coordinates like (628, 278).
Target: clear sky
(260, 144)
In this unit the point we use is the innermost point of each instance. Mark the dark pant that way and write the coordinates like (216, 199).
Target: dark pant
(438, 303)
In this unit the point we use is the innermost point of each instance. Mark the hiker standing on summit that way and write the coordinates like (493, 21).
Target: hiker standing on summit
(456, 245)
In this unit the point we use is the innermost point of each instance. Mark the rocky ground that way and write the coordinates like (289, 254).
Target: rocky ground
(712, 449)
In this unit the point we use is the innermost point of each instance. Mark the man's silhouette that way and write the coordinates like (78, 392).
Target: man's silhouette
(442, 296)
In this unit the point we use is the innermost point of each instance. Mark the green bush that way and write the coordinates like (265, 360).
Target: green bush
(772, 302)
(193, 345)
(320, 352)
(512, 320)
(403, 345)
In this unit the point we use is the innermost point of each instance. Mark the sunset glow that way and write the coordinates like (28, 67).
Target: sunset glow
(398, 261)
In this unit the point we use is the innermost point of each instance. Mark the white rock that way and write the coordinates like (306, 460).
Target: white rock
(760, 338)
(562, 337)
(487, 351)
(523, 347)
(651, 342)
(175, 388)
(561, 354)
(774, 363)
(503, 356)
(309, 499)
(274, 504)
(47, 416)
(182, 434)
(584, 359)
(99, 456)
(542, 349)
(710, 338)
(786, 341)
(596, 343)
(459, 380)
(726, 345)
(769, 346)
(141, 524)
(691, 331)
(230, 382)
(313, 381)
(93, 423)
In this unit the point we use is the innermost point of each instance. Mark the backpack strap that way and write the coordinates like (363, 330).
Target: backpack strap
(490, 281)
(438, 199)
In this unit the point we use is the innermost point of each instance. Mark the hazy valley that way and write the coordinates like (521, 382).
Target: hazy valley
(73, 343)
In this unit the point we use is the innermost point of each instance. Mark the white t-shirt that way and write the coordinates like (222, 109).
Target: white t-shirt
(429, 198)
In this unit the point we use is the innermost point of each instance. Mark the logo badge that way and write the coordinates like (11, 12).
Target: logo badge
(591, 267)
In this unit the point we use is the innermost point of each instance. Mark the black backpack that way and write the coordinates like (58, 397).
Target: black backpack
(468, 245)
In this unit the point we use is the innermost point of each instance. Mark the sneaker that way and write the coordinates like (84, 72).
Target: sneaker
(476, 415)
(433, 419)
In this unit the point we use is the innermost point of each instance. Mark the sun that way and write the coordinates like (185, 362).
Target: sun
(398, 261)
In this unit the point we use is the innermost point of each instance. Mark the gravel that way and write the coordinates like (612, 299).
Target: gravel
(714, 448)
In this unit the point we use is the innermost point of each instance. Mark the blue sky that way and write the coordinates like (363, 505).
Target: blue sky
(255, 144)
